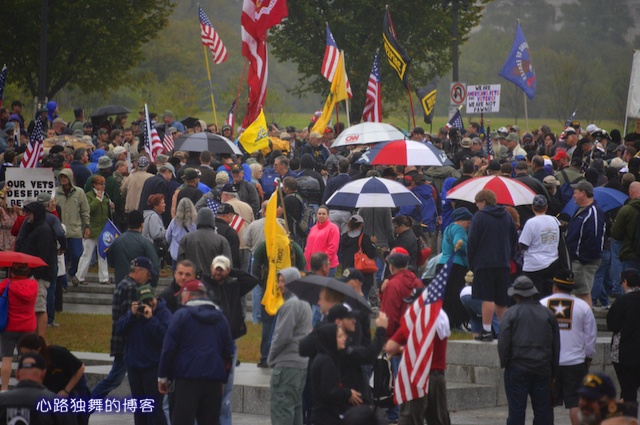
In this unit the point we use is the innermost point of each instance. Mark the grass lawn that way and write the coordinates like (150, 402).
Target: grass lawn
(92, 332)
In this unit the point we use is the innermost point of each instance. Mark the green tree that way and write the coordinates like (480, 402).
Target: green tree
(91, 46)
(423, 28)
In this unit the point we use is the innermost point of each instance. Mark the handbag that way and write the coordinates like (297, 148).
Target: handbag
(361, 261)
(4, 308)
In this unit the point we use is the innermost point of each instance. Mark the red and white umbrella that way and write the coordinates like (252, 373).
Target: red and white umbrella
(406, 152)
(508, 191)
(366, 133)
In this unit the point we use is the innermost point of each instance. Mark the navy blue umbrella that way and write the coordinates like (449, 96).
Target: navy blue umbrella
(373, 192)
(608, 199)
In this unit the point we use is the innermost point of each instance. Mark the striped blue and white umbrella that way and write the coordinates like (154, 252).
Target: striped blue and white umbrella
(372, 192)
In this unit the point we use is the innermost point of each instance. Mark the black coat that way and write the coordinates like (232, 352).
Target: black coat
(623, 318)
(39, 241)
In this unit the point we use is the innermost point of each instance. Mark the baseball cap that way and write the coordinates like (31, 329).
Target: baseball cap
(190, 174)
(352, 273)
(143, 162)
(229, 188)
(285, 136)
(341, 311)
(222, 262)
(119, 150)
(569, 131)
(192, 286)
(44, 197)
(237, 168)
(225, 209)
(145, 263)
(315, 135)
(31, 361)
(592, 128)
(145, 292)
(169, 166)
(560, 155)
(550, 181)
(597, 385)
(585, 186)
(357, 218)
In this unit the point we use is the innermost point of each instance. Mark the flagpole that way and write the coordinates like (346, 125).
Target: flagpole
(346, 102)
(526, 114)
(413, 115)
(213, 103)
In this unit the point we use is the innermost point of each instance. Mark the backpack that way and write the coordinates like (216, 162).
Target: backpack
(381, 382)
(308, 216)
(566, 191)
(268, 181)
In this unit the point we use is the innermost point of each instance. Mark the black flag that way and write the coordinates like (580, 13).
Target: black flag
(397, 56)
(427, 96)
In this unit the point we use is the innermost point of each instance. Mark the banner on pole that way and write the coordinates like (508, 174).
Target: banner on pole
(633, 103)
(483, 99)
(24, 184)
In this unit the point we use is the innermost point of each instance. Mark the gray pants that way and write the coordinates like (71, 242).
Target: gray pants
(287, 384)
(432, 407)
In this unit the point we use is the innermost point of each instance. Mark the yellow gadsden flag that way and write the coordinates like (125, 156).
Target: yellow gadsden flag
(278, 254)
(256, 136)
(338, 93)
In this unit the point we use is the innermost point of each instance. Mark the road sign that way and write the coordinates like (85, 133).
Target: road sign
(458, 93)
(483, 99)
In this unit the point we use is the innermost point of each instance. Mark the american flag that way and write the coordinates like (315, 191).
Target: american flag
(152, 143)
(490, 153)
(455, 121)
(420, 320)
(568, 123)
(229, 120)
(330, 61)
(236, 223)
(167, 142)
(3, 79)
(373, 105)
(211, 39)
(213, 205)
(34, 150)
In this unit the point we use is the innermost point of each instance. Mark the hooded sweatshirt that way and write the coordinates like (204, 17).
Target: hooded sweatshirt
(95, 156)
(400, 286)
(198, 344)
(39, 240)
(74, 207)
(492, 239)
(292, 324)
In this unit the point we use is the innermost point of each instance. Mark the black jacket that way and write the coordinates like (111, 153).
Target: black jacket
(227, 295)
(227, 232)
(39, 240)
(623, 318)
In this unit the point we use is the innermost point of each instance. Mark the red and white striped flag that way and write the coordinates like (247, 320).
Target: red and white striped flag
(373, 106)
(330, 61)
(419, 321)
(168, 141)
(35, 148)
(236, 223)
(230, 118)
(152, 143)
(256, 19)
(211, 39)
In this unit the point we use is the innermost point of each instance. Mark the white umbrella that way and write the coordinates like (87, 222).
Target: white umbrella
(373, 192)
(508, 191)
(366, 133)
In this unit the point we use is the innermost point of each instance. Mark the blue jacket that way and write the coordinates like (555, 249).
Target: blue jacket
(427, 212)
(585, 234)
(452, 234)
(198, 344)
(492, 239)
(144, 336)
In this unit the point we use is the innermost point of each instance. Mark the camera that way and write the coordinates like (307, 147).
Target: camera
(141, 308)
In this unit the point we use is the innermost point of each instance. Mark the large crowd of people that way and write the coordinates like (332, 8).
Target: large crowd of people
(198, 217)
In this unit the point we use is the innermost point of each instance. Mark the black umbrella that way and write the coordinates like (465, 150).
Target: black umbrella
(308, 289)
(205, 141)
(189, 122)
(110, 110)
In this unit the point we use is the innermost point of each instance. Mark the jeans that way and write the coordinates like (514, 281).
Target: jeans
(474, 308)
(393, 413)
(519, 384)
(602, 281)
(267, 331)
(256, 304)
(73, 252)
(113, 380)
(144, 384)
(225, 407)
(51, 296)
(616, 267)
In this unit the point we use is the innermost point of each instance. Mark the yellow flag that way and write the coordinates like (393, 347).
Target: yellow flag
(338, 93)
(256, 136)
(278, 253)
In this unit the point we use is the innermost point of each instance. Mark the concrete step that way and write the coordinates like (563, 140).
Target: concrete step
(87, 298)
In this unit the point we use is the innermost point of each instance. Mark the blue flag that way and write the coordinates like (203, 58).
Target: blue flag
(109, 234)
(518, 68)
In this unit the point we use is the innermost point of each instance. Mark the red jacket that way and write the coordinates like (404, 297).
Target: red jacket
(22, 300)
(400, 286)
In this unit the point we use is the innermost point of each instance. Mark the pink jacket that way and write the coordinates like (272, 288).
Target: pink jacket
(325, 238)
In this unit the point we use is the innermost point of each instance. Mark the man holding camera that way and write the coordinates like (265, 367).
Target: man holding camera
(141, 271)
(144, 326)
